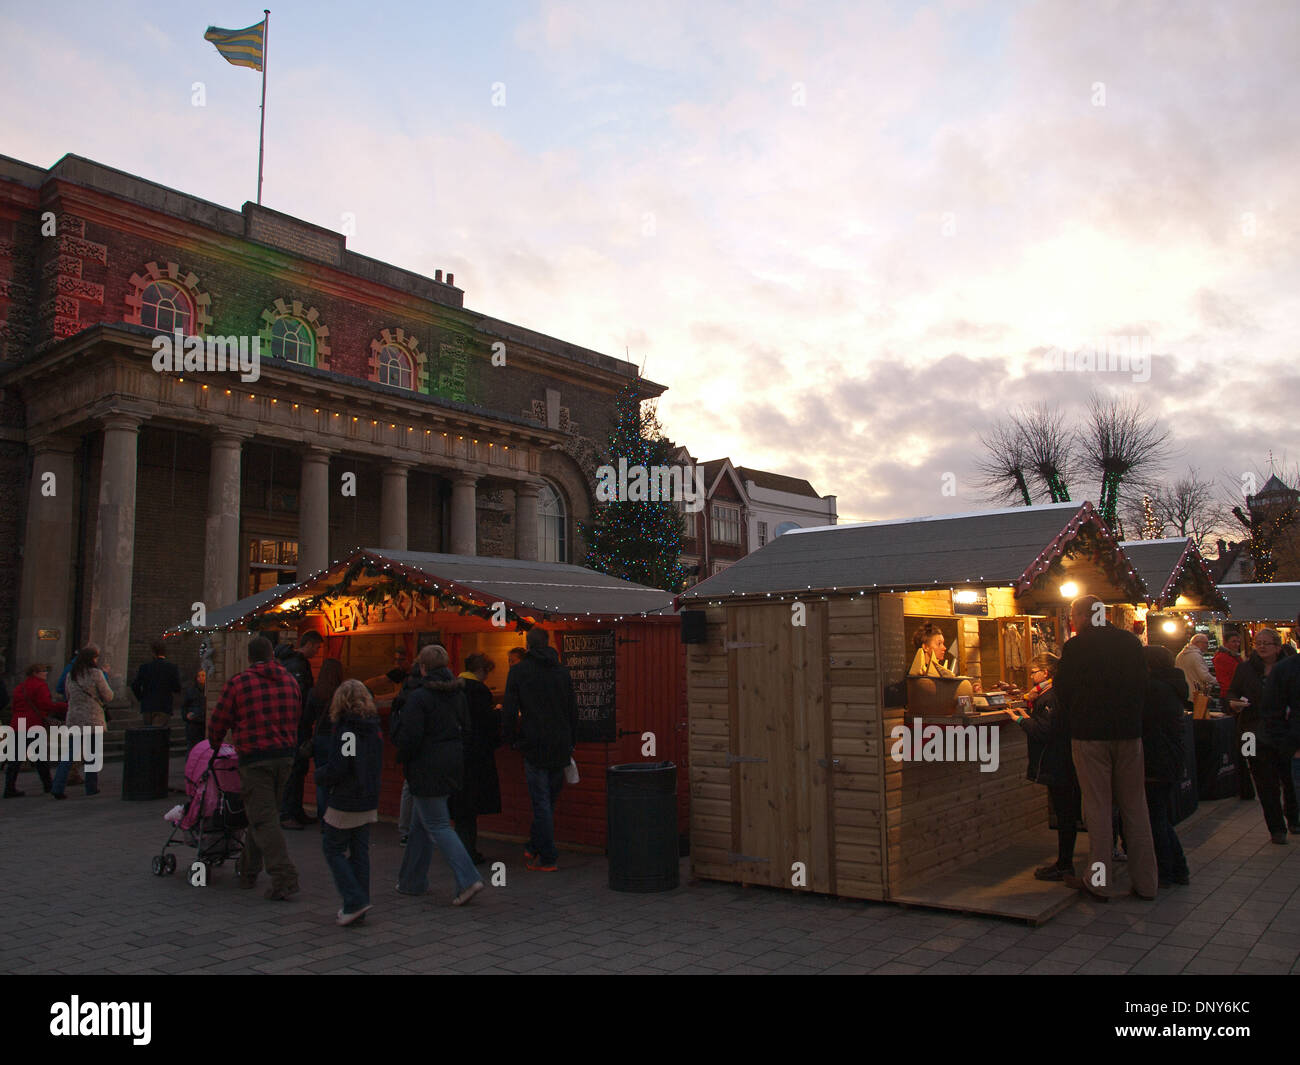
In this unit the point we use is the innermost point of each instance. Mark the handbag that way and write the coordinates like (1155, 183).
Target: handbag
(1200, 705)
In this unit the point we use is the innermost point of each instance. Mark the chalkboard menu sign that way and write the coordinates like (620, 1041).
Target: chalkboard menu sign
(590, 658)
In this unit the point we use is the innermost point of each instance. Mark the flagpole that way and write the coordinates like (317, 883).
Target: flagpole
(261, 137)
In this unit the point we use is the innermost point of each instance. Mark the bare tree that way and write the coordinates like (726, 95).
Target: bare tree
(1191, 507)
(1047, 443)
(1004, 467)
(1125, 447)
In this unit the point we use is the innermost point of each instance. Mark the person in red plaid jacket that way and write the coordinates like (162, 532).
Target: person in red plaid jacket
(261, 706)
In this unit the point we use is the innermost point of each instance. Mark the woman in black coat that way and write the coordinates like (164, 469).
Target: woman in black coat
(481, 793)
(433, 719)
(1051, 764)
(1165, 759)
(1271, 769)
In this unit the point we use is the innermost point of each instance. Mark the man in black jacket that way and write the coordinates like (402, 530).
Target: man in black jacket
(156, 681)
(297, 660)
(541, 719)
(1280, 714)
(1101, 682)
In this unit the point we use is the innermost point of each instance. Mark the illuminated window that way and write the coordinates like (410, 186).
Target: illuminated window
(394, 367)
(166, 307)
(551, 525)
(293, 341)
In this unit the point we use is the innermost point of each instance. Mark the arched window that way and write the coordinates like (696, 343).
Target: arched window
(394, 367)
(292, 340)
(552, 543)
(166, 306)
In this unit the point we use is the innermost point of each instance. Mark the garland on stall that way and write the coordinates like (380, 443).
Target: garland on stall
(392, 584)
(1096, 544)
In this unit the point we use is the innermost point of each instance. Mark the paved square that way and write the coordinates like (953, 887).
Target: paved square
(82, 899)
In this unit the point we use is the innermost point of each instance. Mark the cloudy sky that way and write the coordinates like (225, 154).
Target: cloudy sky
(843, 234)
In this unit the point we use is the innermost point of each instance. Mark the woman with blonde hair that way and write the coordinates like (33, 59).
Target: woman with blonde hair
(88, 693)
(351, 775)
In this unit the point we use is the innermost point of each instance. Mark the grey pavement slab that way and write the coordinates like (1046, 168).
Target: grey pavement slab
(82, 899)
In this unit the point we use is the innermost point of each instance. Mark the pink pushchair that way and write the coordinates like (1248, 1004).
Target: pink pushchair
(212, 821)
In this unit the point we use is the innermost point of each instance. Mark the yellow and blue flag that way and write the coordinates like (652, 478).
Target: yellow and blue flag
(243, 48)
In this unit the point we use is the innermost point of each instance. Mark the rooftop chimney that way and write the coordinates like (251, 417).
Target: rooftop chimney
(437, 276)
(451, 279)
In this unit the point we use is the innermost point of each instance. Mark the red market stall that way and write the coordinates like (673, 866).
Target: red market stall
(620, 640)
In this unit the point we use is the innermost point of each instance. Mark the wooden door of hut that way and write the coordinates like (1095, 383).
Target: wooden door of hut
(781, 754)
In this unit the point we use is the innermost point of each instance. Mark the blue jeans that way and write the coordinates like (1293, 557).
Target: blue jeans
(320, 754)
(431, 829)
(1170, 861)
(347, 853)
(61, 779)
(543, 789)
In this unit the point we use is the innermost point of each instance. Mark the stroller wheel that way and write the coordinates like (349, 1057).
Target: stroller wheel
(169, 864)
(157, 865)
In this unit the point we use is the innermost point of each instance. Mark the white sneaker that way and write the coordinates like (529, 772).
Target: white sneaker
(348, 918)
(468, 893)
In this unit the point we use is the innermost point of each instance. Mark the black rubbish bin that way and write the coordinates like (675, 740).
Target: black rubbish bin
(641, 807)
(1185, 789)
(144, 767)
(1216, 769)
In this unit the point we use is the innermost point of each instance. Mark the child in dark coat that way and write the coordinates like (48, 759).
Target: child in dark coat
(1050, 763)
(351, 774)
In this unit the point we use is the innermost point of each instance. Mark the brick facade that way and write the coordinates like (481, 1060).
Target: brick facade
(80, 242)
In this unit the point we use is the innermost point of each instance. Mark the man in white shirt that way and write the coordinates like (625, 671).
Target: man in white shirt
(1191, 660)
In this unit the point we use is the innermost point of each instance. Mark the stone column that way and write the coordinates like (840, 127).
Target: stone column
(314, 513)
(392, 508)
(44, 601)
(221, 553)
(464, 515)
(526, 520)
(114, 558)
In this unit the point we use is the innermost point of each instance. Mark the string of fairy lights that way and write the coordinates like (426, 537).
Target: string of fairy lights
(1085, 520)
(353, 418)
(396, 578)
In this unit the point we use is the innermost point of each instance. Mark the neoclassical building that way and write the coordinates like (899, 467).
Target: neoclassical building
(385, 413)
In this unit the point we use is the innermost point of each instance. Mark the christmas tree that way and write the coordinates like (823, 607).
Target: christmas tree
(637, 539)
(1150, 523)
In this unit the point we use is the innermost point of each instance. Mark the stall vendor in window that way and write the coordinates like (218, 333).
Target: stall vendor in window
(930, 653)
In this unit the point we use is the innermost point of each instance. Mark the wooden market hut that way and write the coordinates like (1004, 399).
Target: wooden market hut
(621, 641)
(1179, 583)
(1175, 573)
(1253, 606)
(797, 688)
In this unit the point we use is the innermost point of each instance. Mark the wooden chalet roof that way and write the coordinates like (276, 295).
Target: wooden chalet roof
(1279, 601)
(1173, 567)
(991, 548)
(537, 589)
